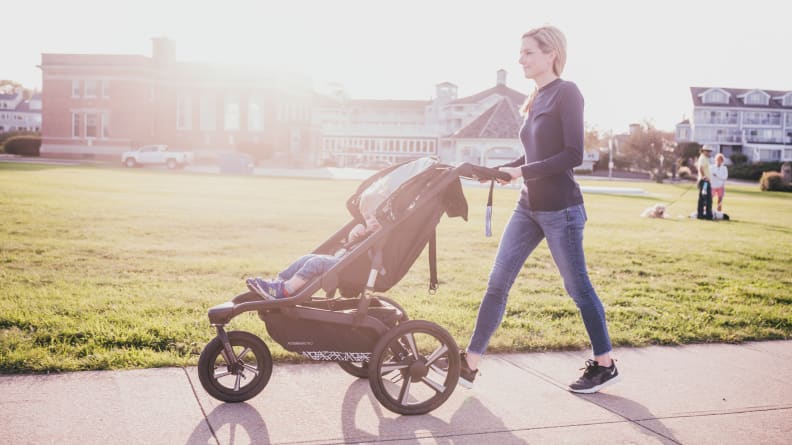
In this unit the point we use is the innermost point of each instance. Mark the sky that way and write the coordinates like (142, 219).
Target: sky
(634, 61)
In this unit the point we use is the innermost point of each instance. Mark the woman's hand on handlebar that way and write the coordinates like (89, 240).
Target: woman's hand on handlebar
(515, 172)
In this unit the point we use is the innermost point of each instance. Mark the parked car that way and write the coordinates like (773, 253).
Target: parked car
(156, 155)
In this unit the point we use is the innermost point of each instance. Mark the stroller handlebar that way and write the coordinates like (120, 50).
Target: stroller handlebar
(478, 172)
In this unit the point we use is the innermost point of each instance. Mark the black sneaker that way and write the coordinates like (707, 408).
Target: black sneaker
(595, 377)
(466, 375)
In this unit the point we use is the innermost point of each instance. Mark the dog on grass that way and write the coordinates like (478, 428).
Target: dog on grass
(655, 211)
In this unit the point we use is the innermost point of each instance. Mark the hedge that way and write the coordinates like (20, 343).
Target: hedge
(23, 145)
(752, 172)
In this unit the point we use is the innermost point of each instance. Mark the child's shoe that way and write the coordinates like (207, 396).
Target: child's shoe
(267, 289)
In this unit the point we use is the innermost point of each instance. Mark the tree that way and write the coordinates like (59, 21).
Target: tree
(648, 149)
(686, 151)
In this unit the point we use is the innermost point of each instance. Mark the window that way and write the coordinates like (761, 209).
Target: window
(75, 125)
(184, 113)
(715, 97)
(255, 115)
(208, 113)
(231, 113)
(91, 123)
(75, 88)
(105, 125)
(90, 88)
(788, 100)
(756, 99)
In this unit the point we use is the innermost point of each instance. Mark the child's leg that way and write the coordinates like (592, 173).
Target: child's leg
(311, 268)
(289, 272)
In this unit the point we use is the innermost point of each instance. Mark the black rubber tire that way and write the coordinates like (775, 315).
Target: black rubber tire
(212, 360)
(434, 347)
(172, 164)
(130, 163)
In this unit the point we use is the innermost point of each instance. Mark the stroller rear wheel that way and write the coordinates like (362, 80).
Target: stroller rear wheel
(237, 378)
(414, 367)
(360, 369)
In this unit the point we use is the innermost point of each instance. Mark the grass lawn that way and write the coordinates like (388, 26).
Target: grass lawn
(110, 268)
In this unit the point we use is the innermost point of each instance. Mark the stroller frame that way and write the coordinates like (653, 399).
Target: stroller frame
(412, 365)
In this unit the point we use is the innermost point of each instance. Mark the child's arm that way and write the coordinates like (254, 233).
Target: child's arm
(358, 232)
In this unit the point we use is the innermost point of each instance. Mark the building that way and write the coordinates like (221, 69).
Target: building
(481, 128)
(18, 114)
(756, 123)
(100, 105)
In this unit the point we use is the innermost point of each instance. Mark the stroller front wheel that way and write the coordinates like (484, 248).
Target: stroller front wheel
(414, 367)
(237, 378)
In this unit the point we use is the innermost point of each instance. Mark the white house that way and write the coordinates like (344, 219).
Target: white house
(481, 128)
(756, 123)
(18, 114)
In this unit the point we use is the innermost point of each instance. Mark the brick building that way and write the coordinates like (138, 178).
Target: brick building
(101, 105)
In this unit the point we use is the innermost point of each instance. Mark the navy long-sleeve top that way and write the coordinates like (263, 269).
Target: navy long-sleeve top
(552, 137)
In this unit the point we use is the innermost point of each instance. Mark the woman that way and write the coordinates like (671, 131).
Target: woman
(719, 176)
(550, 207)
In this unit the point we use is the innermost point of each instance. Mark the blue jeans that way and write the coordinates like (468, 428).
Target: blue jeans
(309, 266)
(563, 230)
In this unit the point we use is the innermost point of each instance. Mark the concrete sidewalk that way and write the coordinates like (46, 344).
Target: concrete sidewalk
(698, 394)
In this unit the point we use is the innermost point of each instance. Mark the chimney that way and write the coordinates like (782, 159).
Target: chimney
(163, 51)
(501, 80)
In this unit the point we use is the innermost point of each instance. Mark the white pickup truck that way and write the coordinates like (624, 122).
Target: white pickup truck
(156, 155)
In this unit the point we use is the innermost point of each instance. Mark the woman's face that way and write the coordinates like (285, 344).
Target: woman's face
(535, 63)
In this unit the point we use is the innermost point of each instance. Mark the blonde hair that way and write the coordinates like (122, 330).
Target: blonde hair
(548, 38)
(719, 156)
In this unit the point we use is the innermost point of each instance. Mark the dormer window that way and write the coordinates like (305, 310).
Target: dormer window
(756, 97)
(715, 97)
(787, 102)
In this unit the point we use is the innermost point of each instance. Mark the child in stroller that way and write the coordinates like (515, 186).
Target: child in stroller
(412, 365)
(312, 265)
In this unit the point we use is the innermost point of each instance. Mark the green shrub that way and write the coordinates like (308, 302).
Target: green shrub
(23, 145)
(9, 134)
(738, 159)
(774, 182)
(752, 172)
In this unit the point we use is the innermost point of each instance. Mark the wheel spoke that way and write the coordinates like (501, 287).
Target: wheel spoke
(242, 354)
(411, 343)
(432, 384)
(252, 369)
(238, 381)
(390, 367)
(218, 373)
(405, 390)
(436, 354)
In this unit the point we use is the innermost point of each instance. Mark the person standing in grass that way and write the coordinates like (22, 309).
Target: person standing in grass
(719, 176)
(550, 207)
(704, 207)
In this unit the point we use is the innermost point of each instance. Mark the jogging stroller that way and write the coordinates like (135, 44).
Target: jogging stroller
(412, 365)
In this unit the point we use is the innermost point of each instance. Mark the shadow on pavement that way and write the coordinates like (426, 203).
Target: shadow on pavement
(242, 423)
(245, 425)
(416, 429)
(631, 410)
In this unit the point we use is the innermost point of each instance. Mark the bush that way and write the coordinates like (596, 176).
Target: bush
(10, 134)
(752, 172)
(774, 182)
(684, 173)
(738, 159)
(23, 145)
